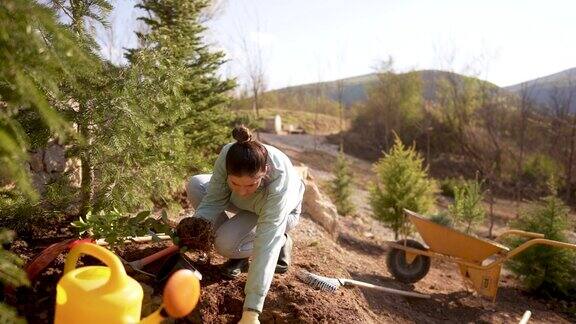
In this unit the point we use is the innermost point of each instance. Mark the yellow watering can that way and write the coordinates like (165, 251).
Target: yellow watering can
(106, 294)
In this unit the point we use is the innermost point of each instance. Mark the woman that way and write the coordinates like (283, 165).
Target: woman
(259, 185)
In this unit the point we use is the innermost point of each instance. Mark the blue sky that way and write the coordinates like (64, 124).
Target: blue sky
(304, 41)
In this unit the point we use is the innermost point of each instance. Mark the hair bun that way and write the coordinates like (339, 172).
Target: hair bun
(241, 134)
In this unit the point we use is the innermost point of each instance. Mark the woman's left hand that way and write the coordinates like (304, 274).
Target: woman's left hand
(249, 317)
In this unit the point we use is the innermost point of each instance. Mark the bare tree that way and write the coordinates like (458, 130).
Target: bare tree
(340, 96)
(253, 64)
(340, 87)
(572, 145)
(318, 93)
(214, 9)
(561, 98)
(525, 110)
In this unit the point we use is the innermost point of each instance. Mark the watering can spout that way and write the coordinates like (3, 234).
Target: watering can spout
(177, 302)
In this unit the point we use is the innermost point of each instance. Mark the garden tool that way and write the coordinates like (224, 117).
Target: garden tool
(174, 263)
(44, 258)
(526, 317)
(480, 260)
(331, 284)
(137, 265)
(106, 294)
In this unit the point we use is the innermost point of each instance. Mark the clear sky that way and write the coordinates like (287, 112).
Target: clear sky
(304, 41)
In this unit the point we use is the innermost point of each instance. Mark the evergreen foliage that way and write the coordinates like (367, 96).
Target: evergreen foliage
(538, 170)
(342, 186)
(137, 130)
(170, 118)
(449, 185)
(442, 219)
(402, 183)
(467, 207)
(37, 54)
(549, 270)
(11, 274)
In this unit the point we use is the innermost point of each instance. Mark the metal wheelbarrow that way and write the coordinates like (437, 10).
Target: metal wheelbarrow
(480, 260)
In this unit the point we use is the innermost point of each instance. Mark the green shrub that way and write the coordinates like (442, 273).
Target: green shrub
(447, 185)
(18, 211)
(247, 119)
(539, 170)
(341, 186)
(114, 227)
(549, 270)
(442, 219)
(467, 207)
(401, 183)
(11, 274)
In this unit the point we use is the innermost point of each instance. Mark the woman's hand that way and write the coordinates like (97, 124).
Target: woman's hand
(195, 233)
(249, 317)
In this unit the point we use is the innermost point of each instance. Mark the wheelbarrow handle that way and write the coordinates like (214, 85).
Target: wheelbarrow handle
(519, 233)
(537, 241)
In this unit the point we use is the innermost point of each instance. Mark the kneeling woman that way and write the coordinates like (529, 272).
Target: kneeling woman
(258, 184)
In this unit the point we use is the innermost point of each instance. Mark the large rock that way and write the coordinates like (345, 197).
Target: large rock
(320, 208)
(73, 170)
(54, 158)
(39, 180)
(37, 161)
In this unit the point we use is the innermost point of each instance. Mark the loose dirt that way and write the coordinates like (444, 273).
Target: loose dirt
(359, 253)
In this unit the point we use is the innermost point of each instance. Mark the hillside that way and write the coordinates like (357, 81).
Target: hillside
(355, 88)
(541, 90)
(561, 85)
(311, 123)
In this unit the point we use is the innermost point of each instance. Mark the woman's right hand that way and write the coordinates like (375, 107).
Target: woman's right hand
(195, 233)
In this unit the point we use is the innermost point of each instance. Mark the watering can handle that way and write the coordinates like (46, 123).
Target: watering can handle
(117, 272)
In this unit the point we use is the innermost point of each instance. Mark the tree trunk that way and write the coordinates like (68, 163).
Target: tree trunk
(570, 161)
(86, 164)
(491, 198)
(255, 103)
(86, 185)
(341, 117)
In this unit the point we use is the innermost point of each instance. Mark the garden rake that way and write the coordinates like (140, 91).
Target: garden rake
(331, 284)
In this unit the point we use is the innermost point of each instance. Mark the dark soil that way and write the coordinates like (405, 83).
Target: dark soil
(292, 301)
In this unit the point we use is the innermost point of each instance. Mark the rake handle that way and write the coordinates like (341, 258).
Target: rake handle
(384, 289)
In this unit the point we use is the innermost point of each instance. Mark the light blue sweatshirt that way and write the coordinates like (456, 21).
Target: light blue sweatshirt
(279, 194)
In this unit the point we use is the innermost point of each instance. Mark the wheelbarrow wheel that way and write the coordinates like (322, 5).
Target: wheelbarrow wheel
(402, 270)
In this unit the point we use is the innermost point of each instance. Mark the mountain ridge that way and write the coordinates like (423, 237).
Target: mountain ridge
(355, 88)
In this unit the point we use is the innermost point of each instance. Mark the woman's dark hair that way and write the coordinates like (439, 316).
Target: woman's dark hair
(246, 157)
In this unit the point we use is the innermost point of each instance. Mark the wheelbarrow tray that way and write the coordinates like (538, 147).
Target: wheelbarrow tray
(450, 242)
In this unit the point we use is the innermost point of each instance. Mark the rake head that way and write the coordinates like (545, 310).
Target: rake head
(320, 282)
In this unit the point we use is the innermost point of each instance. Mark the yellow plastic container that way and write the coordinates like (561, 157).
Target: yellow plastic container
(97, 294)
